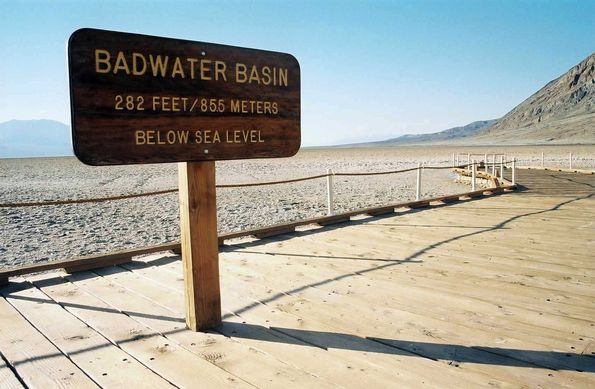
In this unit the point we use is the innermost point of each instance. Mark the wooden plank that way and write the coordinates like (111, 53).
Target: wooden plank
(172, 362)
(356, 312)
(200, 248)
(250, 364)
(35, 359)
(409, 366)
(101, 360)
(8, 379)
(102, 262)
(344, 370)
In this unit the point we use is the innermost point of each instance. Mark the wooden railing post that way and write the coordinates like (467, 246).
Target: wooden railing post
(513, 180)
(200, 246)
(473, 176)
(485, 162)
(329, 192)
(501, 166)
(493, 164)
(418, 187)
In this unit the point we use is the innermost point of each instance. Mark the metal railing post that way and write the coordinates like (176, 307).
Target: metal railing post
(418, 188)
(514, 171)
(570, 161)
(329, 192)
(473, 176)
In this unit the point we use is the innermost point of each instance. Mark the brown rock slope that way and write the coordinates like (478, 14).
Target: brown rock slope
(563, 111)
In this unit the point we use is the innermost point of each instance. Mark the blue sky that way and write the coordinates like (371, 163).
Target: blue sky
(370, 69)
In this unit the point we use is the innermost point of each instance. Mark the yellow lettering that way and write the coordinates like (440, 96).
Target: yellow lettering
(220, 68)
(183, 137)
(204, 69)
(193, 62)
(198, 136)
(283, 77)
(138, 58)
(241, 76)
(102, 57)
(235, 105)
(216, 137)
(140, 137)
(266, 75)
(158, 65)
(177, 70)
(254, 75)
(121, 63)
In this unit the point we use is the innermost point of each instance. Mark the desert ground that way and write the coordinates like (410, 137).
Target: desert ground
(56, 232)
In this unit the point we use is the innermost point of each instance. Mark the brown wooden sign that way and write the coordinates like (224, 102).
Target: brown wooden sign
(144, 99)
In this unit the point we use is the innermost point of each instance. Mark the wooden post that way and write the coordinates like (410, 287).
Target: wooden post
(200, 251)
(329, 192)
(501, 166)
(485, 162)
(513, 171)
(473, 176)
(493, 164)
(418, 187)
(570, 161)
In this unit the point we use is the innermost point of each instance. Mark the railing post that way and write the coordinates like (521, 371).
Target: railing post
(418, 189)
(501, 166)
(570, 161)
(453, 160)
(514, 171)
(473, 177)
(485, 162)
(468, 160)
(493, 164)
(542, 160)
(329, 192)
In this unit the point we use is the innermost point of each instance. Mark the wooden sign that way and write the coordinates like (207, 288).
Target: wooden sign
(144, 99)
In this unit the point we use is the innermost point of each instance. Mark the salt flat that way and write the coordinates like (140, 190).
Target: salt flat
(59, 232)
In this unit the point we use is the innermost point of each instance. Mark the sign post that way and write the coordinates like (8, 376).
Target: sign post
(139, 99)
(200, 248)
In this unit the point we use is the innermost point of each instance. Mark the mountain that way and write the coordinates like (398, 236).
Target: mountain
(34, 138)
(563, 111)
(444, 136)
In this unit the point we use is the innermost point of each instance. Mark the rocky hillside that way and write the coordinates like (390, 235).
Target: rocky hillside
(563, 111)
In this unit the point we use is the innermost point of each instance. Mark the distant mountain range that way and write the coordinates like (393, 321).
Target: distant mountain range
(446, 136)
(34, 138)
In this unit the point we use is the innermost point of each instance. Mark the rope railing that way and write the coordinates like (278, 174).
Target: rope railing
(173, 190)
(244, 185)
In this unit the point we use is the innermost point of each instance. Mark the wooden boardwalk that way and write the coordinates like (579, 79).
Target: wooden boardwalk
(492, 292)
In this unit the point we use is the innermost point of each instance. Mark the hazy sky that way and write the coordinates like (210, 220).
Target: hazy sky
(370, 69)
